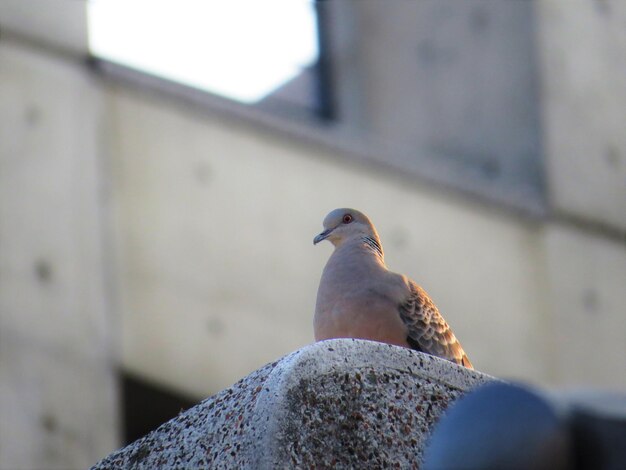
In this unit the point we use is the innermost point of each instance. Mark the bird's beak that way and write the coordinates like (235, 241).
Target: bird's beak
(322, 236)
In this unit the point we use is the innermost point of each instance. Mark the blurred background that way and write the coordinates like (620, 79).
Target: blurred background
(165, 165)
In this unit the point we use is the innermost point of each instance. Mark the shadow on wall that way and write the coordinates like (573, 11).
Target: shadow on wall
(146, 405)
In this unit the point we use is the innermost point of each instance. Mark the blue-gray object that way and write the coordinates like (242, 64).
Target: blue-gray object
(500, 426)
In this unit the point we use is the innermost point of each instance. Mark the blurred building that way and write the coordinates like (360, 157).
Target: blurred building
(156, 241)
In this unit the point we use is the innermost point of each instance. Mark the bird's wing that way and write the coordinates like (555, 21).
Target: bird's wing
(427, 330)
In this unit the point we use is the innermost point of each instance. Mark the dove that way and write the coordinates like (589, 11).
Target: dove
(358, 297)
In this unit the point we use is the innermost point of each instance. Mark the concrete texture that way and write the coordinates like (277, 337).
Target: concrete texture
(57, 24)
(451, 89)
(582, 47)
(587, 277)
(339, 403)
(57, 375)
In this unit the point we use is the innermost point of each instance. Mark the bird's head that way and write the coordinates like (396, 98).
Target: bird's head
(343, 224)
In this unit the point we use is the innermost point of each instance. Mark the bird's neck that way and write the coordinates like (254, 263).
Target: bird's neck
(368, 247)
(352, 261)
(373, 244)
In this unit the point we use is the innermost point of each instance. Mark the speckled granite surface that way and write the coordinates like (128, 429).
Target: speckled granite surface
(338, 403)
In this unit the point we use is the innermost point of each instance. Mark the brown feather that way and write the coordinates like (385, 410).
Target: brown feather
(427, 330)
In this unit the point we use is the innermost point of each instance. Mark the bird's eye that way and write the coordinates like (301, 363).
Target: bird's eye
(347, 219)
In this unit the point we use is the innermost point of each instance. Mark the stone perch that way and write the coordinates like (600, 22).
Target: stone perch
(340, 403)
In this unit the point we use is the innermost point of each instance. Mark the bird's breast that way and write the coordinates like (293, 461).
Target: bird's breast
(366, 312)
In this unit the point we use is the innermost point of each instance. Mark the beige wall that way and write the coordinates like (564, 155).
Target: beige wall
(56, 369)
(177, 243)
(587, 277)
(582, 50)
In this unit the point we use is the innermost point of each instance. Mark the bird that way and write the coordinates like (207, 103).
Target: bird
(359, 297)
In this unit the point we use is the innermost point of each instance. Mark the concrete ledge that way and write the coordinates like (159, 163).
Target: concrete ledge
(338, 403)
